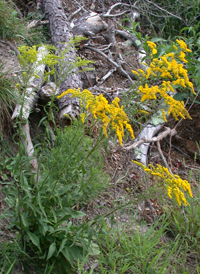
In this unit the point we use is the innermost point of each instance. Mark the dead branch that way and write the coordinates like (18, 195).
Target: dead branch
(107, 14)
(111, 61)
(160, 8)
(29, 147)
(133, 39)
(167, 132)
(30, 94)
(74, 13)
(61, 33)
(105, 77)
(36, 23)
(47, 91)
(162, 156)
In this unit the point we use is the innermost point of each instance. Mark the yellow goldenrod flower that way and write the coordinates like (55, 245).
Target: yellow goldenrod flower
(167, 67)
(142, 72)
(109, 114)
(135, 72)
(164, 116)
(152, 46)
(183, 45)
(143, 111)
(174, 184)
(182, 57)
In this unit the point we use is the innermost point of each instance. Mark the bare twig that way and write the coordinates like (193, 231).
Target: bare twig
(114, 177)
(106, 47)
(168, 131)
(115, 15)
(35, 23)
(162, 156)
(105, 77)
(111, 61)
(74, 13)
(107, 14)
(188, 108)
(173, 15)
(29, 147)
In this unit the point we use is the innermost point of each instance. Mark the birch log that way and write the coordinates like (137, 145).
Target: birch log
(30, 94)
(23, 110)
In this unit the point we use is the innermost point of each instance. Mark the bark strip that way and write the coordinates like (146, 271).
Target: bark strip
(61, 33)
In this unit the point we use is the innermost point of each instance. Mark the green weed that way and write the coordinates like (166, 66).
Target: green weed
(134, 251)
(14, 28)
(8, 98)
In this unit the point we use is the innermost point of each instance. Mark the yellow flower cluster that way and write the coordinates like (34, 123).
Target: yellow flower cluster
(152, 46)
(175, 107)
(172, 72)
(99, 107)
(174, 184)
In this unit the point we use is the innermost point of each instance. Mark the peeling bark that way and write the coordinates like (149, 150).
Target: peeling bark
(61, 33)
(31, 96)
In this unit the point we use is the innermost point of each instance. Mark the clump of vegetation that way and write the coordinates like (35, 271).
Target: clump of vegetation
(44, 207)
(7, 98)
(13, 27)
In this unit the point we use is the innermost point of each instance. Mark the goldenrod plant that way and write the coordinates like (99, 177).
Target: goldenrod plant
(42, 211)
(107, 113)
(173, 183)
(169, 70)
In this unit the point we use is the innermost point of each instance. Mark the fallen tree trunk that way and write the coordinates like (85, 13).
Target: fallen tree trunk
(61, 33)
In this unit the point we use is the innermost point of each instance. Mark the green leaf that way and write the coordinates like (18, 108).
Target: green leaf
(40, 204)
(64, 228)
(155, 40)
(31, 206)
(198, 41)
(72, 253)
(157, 120)
(54, 215)
(197, 101)
(138, 43)
(10, 268)
(76, 214)
(41, 121)
(34, 239)
(94, 249)
(180, 96)
(62, 245)
(65, 218)
(24, 220)
(52, 249)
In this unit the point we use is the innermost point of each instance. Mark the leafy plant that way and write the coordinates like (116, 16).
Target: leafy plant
(8, 98)
(74, 166)
(42, 212)
(134, 251)
(9, 253)
(13, 27)
(168, 18)
(188, 229)
(40, 206)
